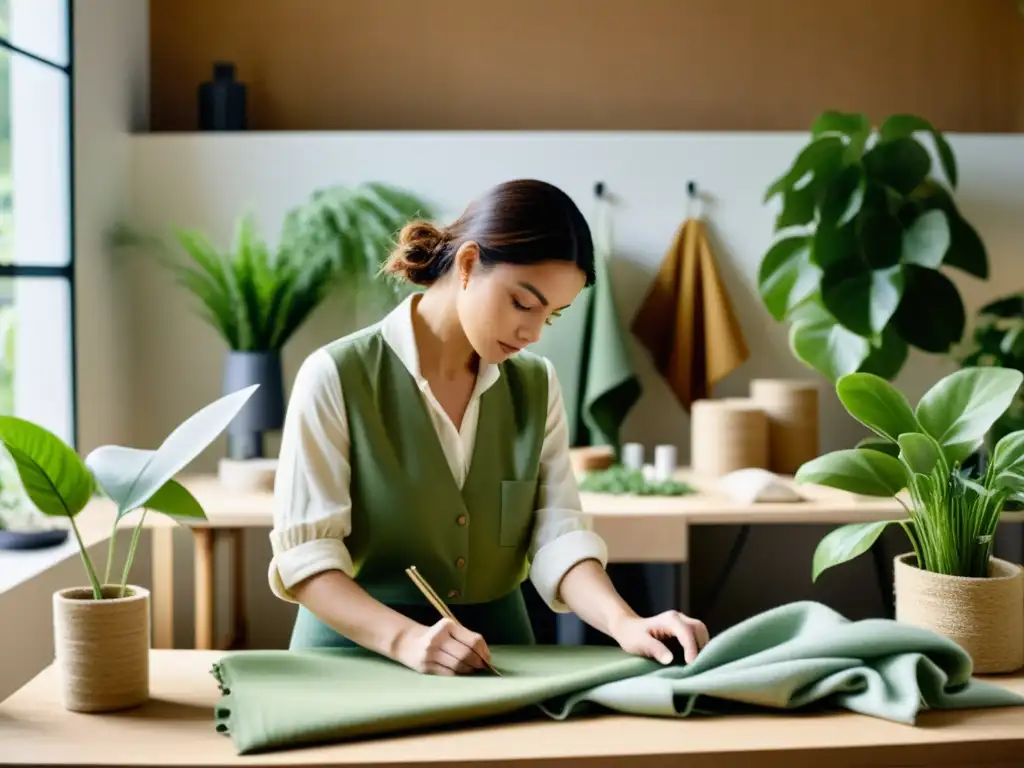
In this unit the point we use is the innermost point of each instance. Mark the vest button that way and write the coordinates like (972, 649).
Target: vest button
(453, 593)
(461, 520)
(460, 563)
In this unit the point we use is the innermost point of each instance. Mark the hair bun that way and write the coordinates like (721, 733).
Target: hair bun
(420, 248)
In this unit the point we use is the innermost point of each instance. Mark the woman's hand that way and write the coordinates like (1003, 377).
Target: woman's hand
(445, 648)
(641, 635)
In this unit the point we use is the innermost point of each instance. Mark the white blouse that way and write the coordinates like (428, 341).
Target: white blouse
(313, 508)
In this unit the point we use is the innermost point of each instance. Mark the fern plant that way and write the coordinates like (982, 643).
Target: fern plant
(257, 296)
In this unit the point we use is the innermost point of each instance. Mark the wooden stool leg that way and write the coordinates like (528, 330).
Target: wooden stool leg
(163, 587)
(204, 587)
(240, 631)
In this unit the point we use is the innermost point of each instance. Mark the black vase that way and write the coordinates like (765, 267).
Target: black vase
(264, 411)
(222, 101)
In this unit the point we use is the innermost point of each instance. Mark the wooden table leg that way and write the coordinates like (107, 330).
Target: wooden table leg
(240, 628)
(204, 587)
(163, 587)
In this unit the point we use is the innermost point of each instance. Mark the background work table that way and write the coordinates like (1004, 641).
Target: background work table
(176, 729)
(638, 529)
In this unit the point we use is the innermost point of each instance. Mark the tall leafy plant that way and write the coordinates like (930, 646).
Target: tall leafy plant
(61, 484)
(863, 233)
(952, 516)
(257, 296)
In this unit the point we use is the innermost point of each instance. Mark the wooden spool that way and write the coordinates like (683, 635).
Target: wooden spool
(727, 434)
(792, 409)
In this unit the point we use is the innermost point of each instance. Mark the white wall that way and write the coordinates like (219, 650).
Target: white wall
(111, 82)
(206, 181)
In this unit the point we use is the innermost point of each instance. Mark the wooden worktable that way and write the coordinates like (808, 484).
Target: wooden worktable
(176, 729)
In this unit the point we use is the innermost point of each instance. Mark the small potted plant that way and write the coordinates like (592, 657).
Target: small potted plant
(950, 583)
(102, 629)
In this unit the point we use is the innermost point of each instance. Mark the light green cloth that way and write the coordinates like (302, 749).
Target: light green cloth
(588, 347)
(801, 655)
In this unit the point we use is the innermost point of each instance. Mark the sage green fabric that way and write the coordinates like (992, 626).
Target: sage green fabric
(470, 545)
(799, 656)
(504, 621)
(588, 347)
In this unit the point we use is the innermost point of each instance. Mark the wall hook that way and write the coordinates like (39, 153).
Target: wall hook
(691, 188)
(599, 189)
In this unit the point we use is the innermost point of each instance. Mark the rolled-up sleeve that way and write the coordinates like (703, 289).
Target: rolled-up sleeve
(312, 502)
(563, 535)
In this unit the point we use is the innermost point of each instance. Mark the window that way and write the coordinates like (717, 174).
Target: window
(37, 360)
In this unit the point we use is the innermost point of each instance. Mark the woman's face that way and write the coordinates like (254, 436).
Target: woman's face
(504, 307)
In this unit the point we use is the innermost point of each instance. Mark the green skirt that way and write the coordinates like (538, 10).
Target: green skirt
(504, 621)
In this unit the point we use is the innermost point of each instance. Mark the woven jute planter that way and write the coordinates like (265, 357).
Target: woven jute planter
(984, 616)
(101, 648)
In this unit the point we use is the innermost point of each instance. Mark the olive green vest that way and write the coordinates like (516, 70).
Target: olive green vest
(471, 545)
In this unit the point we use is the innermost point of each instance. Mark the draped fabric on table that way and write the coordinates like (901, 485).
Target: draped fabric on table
(799, 656)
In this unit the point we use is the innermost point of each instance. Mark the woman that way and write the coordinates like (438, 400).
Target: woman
(432, 439)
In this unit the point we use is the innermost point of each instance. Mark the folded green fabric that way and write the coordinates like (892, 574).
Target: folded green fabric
(798, 656)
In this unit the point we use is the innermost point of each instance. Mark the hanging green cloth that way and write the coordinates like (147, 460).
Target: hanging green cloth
(798, 656)
(588, 347)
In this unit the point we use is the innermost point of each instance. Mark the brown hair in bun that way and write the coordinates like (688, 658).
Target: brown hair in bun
(419, 255)
(524, 221)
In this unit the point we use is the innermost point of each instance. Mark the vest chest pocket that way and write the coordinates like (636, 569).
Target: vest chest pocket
(518, 503)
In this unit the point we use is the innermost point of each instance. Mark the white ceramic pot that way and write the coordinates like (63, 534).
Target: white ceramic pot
(984, 616)
(101, 648)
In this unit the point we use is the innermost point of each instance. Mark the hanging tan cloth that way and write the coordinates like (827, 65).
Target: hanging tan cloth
(687, 322)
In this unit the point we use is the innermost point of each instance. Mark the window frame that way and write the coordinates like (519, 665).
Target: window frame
(64, 272)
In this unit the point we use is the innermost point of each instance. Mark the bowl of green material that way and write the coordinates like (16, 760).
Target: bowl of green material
(618, 479)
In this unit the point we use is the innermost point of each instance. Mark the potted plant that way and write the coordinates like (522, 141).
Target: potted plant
(257, 296)
(861, 237)
(950, 583)
(102, 629)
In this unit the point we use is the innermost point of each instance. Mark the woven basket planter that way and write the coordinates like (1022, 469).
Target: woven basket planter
(101, 648)
(984, 616)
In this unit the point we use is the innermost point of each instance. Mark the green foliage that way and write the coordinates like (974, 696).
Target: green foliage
(952, 516)
(619, 479)
(256, 296)
(862, 234)
(60, 484)
(998, 340)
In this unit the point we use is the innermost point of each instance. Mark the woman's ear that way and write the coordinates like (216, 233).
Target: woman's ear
(466, 258)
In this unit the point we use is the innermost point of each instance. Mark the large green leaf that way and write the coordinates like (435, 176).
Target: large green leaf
(902, 125)
(1009, 453)
(176, 501)
(786, 276)
(926, 240)
(919, 452)
(876, 404)
(854, 125)
(860, 298)
(845, 543)
(819, 158)
(887, 356)
(931, 315)
(131, 478)
(881, 237)
(867, 472)
(901, 164)
(966, 250)
(817, 340)
(879, 444)
(54, 477)
(843, 196)
(960, 408)
(832, 245)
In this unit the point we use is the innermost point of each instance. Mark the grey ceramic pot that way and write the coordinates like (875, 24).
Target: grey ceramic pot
(264, 411)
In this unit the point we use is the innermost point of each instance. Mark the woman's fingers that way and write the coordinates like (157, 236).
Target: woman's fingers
(472, 640)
